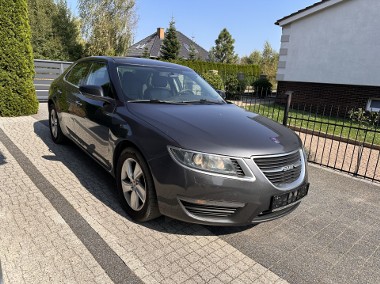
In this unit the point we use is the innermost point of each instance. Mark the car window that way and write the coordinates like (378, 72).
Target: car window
(99, 76)
(77, 76)
(154, 83)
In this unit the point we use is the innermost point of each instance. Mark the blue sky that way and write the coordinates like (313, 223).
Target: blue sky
(250, 22)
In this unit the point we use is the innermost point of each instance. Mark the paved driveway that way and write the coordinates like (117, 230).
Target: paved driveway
(60, 222)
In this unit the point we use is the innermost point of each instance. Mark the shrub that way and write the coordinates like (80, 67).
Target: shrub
(262, 86)
(369, 118)
(214, 79)
(17, 93)
(232, 85)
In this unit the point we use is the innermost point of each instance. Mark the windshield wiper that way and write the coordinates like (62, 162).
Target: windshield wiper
(203, 101)
(152, 102)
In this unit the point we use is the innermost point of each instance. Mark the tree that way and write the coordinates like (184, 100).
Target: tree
(267, 60)
(55, 32)
(254, 58)
(17, 93)
(45, 44)
(108, 26)
(170, 46)
(67, 29)
(146, 52)
(192, 50)
(224, 48)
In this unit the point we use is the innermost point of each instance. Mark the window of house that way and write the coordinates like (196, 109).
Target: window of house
(373, 104)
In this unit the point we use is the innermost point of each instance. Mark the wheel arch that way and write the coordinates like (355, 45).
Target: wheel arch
(119, 149)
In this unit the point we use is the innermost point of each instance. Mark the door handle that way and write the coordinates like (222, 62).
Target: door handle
(78, 103)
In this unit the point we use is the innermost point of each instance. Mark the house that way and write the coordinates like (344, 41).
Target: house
(330, 54)
(152, 45)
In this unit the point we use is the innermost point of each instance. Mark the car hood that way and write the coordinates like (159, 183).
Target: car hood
(220, 129)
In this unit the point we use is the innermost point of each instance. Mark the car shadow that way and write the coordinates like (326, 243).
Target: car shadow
(3, 160)
(102, 186)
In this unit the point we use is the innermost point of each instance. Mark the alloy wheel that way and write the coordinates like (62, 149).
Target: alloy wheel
(53, 123)
(133, 184)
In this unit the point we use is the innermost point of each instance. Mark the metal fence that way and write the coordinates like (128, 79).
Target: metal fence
(330, 134)
(46, 72)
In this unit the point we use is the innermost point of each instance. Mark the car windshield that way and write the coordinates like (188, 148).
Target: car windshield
(152, 84)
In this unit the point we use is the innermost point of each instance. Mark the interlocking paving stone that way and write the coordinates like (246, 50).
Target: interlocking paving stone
(35, 242)
(332, 237)
(160, 251)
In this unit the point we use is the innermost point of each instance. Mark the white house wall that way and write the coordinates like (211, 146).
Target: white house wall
(338, 45)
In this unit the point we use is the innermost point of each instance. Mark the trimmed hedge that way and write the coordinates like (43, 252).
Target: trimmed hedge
(17, 93)
(224, 70)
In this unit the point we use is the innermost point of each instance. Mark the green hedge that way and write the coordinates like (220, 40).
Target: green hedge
(251, 72)
(17, 93)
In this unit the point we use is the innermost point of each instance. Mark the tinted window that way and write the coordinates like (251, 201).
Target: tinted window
(98, 76)
(78, 74)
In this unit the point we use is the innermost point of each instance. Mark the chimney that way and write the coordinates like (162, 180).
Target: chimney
(160, 33)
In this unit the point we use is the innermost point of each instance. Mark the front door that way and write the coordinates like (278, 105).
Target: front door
(93, 126)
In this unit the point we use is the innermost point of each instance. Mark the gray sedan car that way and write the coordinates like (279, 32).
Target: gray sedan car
(174, 145)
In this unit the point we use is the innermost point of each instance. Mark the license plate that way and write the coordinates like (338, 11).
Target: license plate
(289, 197)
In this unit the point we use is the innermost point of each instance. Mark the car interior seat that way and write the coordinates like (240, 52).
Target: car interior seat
(159, 89)
(132, 86)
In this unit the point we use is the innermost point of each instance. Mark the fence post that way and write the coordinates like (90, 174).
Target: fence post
(287, 107)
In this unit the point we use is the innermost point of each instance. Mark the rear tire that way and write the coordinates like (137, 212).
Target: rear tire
(55, 129)
(136, 187)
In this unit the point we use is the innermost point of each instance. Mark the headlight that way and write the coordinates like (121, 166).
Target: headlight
(206, 162)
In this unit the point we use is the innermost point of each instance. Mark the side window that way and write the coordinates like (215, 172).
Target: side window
(78, 74)
(98, 76)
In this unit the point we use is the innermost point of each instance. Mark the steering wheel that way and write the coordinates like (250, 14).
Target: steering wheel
(186, 92)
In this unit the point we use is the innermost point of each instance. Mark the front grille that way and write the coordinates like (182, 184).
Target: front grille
(206, 210)
(281, 169)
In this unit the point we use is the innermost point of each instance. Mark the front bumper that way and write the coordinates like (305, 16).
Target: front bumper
(208, 199)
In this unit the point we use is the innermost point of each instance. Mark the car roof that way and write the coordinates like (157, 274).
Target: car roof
(137, 61)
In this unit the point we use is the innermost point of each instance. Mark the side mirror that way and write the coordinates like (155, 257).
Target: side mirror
(222, 94)
(92, 90)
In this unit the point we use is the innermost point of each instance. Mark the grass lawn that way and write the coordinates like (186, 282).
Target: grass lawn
(339, 127)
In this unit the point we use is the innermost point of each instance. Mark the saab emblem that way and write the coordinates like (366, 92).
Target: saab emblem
(275, 140)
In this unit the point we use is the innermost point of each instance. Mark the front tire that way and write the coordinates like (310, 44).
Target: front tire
(136, 187)
(55, 129)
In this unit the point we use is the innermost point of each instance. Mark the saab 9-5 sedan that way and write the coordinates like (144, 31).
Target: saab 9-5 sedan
(174, 145)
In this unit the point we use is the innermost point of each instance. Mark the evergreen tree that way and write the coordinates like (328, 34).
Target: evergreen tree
(17, 93)
(211, 55)
(224, 48)
(67, 29)
(146, 52)
(170, 46)
(108, 25)
(192, 51)
(55, 32)
(45, 44)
